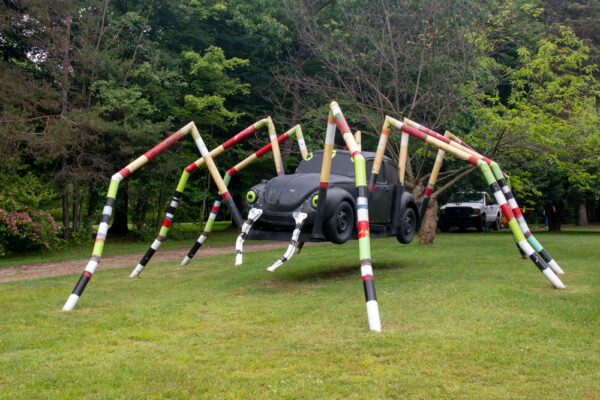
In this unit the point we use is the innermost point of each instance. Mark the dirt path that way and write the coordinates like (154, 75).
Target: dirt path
(125, 261)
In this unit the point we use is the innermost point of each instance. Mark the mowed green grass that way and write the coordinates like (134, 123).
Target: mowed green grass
(466, 318)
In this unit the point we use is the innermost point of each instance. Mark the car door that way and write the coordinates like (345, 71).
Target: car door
(380, 201)
(489, 208)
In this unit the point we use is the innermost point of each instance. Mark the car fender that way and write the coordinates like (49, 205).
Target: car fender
(334, 197)
(407, 200)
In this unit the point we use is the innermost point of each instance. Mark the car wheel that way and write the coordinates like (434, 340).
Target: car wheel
(408, 226)
(482, 227)
(444, 228)
(497, 223)
(338, 227)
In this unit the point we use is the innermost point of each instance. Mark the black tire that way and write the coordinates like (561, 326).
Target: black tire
(339, 227)
(444, 228)
(408, 226)
(497, 223)
(482, 227)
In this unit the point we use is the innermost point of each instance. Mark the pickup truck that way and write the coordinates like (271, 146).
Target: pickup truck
(470, 209)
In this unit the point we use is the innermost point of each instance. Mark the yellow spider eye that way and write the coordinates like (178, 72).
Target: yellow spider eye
(251, 196)
(315, 200)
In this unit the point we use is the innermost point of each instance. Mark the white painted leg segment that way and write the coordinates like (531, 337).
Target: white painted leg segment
(555, 267)
(185, 261)
(253, 215)
(373, 316)
(299, 218)
(551, 276)
(71, 301)
(136, 271)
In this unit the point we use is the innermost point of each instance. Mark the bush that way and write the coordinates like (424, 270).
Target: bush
(23, 228)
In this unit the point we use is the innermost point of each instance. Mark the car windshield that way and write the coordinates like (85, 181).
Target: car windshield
(340, 164)
(466, 197)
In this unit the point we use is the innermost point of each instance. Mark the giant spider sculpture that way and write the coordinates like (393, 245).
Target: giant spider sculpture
(328, 214)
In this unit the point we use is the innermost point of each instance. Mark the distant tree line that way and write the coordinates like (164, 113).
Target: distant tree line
(88, 85)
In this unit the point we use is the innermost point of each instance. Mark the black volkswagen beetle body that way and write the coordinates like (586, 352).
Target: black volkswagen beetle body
(392, 210)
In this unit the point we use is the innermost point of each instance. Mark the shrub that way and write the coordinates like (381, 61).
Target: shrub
(23, 228)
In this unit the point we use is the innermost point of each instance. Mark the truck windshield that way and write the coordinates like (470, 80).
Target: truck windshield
(466, 197)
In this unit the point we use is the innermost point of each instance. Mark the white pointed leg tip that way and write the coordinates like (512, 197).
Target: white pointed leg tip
(71, 301)
(238, 259)
(551, 276)
(185, 261)
(271, 268)
(556, 268)
(136, 271)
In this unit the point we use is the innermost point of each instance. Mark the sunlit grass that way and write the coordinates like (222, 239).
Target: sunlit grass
(465, 318)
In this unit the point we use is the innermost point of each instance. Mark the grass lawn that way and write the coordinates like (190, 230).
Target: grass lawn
(466, 318)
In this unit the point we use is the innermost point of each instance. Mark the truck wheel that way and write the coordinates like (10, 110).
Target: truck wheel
(444, 227)
(408, 226)
(338, 227)
(482, 227)
(497, 223)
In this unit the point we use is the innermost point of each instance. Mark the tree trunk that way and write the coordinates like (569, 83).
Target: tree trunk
(75, 208)
(65, 211)
(161, 199)
(80, 214)
(66, 65)
(120, 220)
(582, 219)
(429, 224)
(92, 204)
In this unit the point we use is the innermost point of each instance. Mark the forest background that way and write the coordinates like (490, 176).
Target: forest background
(87, 86)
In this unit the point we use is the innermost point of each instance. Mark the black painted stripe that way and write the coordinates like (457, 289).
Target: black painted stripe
(81, 284)
(365, 261)
(177, 195)
(105, 218)
(538, 261)
(372, 178)
(238, 252)
(110, 201)
(194, 249)
(362, 191)
(509, 195)
(495, 187)
(171, 210)
(147, 256)
(503, 182)
(527, 234)
(545, 255)
(235, 213)
(369, 287)
(423, 207)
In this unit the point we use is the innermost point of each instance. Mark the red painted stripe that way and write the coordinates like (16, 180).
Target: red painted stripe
(231, 172)
(356, 153)
(125, 172)
(342, 124)
(385, 131)
(166, 223)
(330, 120)
(473, 160)
(371, 187)
(191, 167)
(87, 273)
(428, 192)
(363, 234)
(506, 211)
(215, 209)
(414, 132)
(226, 195)
(367, 277)
(249, 130)
(517, 212)
(159, 148)
(324, 185)
(363, 225)
(487, 160)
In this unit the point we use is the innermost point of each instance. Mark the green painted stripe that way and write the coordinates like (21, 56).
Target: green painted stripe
(112, 189)
(360, 170)
(364, 248)
(163, 231)
(98, 247)
(183, 181)
(535, 244)
(226, 179)
(487, 172)
(209, 225)
(496, 170)
(516, 230)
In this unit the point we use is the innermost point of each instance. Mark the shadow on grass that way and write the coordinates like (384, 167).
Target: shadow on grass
(333, 273)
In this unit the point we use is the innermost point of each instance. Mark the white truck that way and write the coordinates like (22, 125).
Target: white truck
(470, 209)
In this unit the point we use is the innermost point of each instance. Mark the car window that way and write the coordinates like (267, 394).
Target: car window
(466, 197)
(341, 164)
(381, 177)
